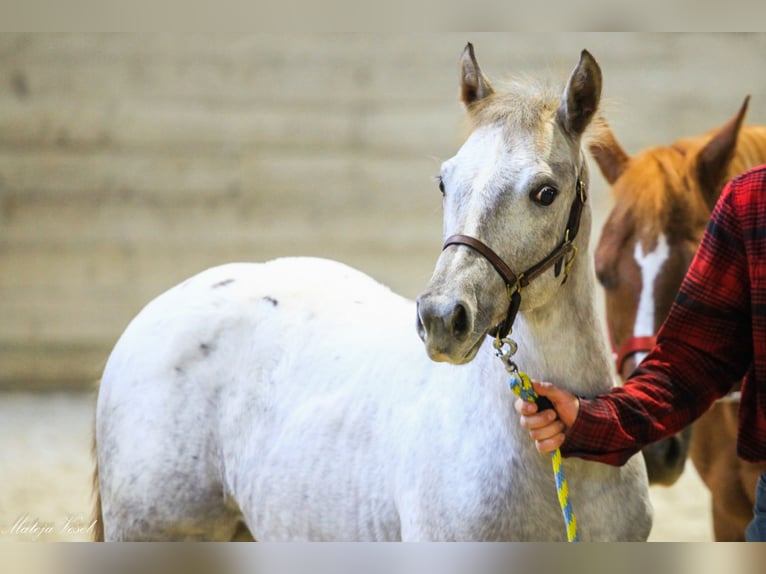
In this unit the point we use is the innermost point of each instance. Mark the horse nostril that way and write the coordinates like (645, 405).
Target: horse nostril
(459, 323)
(421, 330)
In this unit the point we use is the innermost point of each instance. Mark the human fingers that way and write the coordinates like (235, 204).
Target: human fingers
(524, 407)
(550, 444)
(565, 403)
(538, 420)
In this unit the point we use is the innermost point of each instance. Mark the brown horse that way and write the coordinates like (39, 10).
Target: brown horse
(663, 198)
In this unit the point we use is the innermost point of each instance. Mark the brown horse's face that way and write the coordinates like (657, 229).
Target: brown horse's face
(641, 259)
(641, 268)
(663, 199)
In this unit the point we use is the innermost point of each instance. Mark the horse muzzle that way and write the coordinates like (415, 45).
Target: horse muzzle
(445, 324)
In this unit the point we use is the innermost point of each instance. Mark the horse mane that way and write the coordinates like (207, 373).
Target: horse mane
(660, 190)
(751, 149)
(662, 187)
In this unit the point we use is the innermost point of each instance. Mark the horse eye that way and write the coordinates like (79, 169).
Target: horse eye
(606, 272)
(441, 184)
(545, 195)
(606, 281)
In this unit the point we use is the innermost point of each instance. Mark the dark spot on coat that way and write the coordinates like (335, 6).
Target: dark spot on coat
(223, 283)
(179, 370)
(206, 349)
(271, 300)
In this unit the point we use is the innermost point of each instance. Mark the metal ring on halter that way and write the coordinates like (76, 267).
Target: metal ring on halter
(561, 258)
(499, 343)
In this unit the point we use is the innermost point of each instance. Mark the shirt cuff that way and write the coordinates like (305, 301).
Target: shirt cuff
(594, 435)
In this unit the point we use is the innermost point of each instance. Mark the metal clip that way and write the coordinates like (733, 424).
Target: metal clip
(505, 349)
(501, 344)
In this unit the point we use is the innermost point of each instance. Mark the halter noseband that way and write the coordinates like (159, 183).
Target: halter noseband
(630, 347)
(561, 256)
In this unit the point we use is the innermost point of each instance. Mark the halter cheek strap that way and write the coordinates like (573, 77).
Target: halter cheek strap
(560, 258)
(493, 258)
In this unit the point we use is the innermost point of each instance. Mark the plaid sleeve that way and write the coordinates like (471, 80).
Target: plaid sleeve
(703, 348)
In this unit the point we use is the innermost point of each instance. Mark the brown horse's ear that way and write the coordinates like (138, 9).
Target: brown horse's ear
(713, 159)
(474, 86)
(609, 155)
(581, 96)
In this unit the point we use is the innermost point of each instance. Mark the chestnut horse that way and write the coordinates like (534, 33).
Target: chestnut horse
(663, 198)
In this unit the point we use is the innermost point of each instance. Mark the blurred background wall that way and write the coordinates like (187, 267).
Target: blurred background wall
(128, 163)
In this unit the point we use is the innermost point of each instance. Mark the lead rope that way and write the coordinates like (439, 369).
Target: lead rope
(521, 385)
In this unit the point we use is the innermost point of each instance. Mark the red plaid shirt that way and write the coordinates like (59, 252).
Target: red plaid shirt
(714, 336)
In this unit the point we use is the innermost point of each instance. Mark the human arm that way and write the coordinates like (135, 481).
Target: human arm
(704, 346)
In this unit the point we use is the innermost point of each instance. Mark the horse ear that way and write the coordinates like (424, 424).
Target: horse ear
(713, 159)
(581, 96)
(609, 155)
(474, 86)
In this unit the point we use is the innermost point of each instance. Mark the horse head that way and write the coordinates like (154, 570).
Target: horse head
(511, 196)
(662, 202)
(663, 199)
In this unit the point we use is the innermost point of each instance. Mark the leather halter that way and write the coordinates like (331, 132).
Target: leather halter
(565, 252)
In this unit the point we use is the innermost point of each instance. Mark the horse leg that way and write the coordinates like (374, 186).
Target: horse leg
(159, 478)
(726, 528)
(732, 506)
(161, 515)
(157, 506)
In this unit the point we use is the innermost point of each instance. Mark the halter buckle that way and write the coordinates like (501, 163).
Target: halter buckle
(515, 287)
(581, 190)
(570, 261)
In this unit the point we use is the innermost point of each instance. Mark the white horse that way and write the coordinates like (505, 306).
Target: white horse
(294, 397)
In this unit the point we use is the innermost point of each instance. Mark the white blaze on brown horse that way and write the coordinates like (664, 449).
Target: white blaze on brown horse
(663, 198)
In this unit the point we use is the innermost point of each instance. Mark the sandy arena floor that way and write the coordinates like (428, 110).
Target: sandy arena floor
(46, 475)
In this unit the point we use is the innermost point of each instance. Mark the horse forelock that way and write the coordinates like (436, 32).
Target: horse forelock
(525, 108)
(518, 105)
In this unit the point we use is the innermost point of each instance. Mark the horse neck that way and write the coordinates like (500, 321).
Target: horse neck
(563, 341)
(750, 150)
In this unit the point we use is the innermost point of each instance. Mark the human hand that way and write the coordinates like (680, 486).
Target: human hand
(548, 428)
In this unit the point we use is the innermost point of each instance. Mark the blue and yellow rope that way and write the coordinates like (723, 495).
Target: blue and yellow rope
(521, 385)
